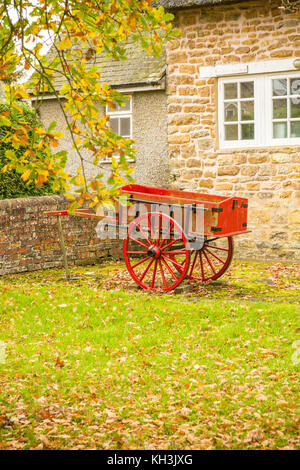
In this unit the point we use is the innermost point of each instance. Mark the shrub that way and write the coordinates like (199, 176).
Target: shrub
(11, 184)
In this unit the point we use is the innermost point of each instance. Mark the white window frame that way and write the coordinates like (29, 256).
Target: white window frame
(287, 140)
(263, 112)
(119, 113)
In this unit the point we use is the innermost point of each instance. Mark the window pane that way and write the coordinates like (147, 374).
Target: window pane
(113, 109)
(295, 129)
(231, 112)
(113, 122)
(247, 108)
(247, 131)
(125, 107)
(279, 109)
(247, 89)
(295, 86)
(125, 127)
(230, 91)
(295, 107)
(279, 130)
(231, 132)
(279, 87)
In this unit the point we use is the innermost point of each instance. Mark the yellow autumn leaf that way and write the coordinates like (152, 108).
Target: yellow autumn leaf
(51, 164)
(41, 179)
(57, 134)
(26, 175)
(69, 196)
(94, 185)
(79, 180)
(20, 93)
(66, 43)
(39, 130)
(114, 163)
(4, 121)
(53, 142)
(132, 21)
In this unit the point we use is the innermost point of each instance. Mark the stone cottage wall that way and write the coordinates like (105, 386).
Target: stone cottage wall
(223, 34)
(29, 240)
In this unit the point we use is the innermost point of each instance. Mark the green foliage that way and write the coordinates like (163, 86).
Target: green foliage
(11, 184)
(77, 31)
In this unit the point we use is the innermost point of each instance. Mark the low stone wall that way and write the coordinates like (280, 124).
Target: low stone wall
(29, 240)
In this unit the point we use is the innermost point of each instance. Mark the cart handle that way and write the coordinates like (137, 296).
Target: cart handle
(49, 213)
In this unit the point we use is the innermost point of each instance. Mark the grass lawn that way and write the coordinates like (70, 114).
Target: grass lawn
(97, 363)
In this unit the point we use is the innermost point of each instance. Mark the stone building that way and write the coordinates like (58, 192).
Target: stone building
(233, 99)
(221, 113)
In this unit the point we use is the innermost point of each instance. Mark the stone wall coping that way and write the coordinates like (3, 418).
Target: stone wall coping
(31, 201)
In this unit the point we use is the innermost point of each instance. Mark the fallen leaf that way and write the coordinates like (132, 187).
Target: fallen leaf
(43, 413)
(59, 362)
(254, 435)
(45, 441)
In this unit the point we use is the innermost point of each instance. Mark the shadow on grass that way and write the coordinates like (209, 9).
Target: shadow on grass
(245, 280)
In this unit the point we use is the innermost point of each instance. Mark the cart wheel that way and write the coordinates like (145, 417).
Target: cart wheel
(212, 260)
(155, 249)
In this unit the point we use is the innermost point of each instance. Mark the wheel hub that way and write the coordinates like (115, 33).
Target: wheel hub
(154, 251)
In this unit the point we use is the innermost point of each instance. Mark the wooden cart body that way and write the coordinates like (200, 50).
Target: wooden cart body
(223, 215)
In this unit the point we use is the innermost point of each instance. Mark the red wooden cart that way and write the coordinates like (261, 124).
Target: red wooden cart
(171, 235)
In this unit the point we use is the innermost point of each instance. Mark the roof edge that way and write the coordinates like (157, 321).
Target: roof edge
(170, 5)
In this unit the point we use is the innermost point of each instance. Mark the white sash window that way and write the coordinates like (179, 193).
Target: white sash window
(259, 110)
(120, 119)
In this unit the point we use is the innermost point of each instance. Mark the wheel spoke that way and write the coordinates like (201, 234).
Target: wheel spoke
(175, 263)
(208, 260)
(150, 226)
(145, 236)
(138, 241)
(171, 243)
(146, 270)
(194, 262)
(171, 225)
(162, 274)
(156, 240)
(201, 263)
(154, 274)
(140, 262)
(174, 252)
(218, 247)
(136, 252)
(219, 259)
(169, 269)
